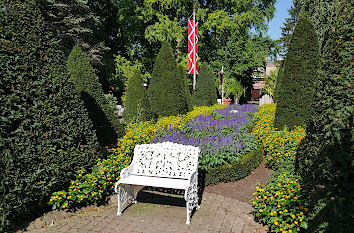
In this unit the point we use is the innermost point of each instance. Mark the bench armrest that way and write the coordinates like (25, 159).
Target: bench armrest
(124, 173)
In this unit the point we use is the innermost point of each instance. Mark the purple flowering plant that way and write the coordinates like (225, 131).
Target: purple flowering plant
(222, 137)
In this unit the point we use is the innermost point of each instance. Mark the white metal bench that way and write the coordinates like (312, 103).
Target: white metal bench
(164, 165)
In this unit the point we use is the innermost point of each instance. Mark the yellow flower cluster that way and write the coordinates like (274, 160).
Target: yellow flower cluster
(279, 144)
(280, 204)
(90, 187)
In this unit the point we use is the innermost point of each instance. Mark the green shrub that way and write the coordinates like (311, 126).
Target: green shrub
(325, 160)
(205, 93)
(105, 121)
(235, 171)
(166, 93)
(295, 94)
(184, 80)
(280, 204)
(45, 132)
(137, 106)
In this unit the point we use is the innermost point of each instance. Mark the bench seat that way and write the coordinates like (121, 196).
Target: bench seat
(156, 182)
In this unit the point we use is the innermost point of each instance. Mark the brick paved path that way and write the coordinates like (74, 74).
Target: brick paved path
(217, 214)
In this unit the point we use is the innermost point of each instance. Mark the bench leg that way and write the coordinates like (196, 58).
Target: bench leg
(191, 198)
(125, 193)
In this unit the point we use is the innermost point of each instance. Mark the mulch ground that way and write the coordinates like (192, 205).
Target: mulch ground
(242, 190)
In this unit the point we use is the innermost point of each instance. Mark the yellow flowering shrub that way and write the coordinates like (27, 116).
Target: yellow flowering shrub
(279, 145)
(280, 205)
(99, 183)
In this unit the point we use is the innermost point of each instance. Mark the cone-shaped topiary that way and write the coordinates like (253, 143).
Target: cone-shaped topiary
(165, 92)
(187, 94)
(137, 107)
(325, 159)
(105, 121)
(45, 132)
(205, 93)
(296, 90)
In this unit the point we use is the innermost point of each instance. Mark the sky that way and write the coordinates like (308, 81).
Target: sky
(277, 22)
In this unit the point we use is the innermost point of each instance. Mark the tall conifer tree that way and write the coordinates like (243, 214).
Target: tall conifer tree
(45, 132)
(165, 91)
(137, 107)
(297, 84)
(325, 159)
(205, 93)
(105, 121)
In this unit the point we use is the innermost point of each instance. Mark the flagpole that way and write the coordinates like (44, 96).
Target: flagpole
(195, 51)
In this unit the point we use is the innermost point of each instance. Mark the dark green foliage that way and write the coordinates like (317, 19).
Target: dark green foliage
(235, 171)
(137, 107)
(45, 132)
(205, 90)
(325, 159)
(278, 83)
(73, 22)
(166, 92)
(105, 121)
(184, 81)
(299, 76)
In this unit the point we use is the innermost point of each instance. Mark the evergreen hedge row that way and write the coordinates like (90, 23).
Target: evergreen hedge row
(299, 76)
(105, 121)
(235, 171)
(45, 132)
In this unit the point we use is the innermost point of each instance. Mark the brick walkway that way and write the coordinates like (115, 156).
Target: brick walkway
(156, 212)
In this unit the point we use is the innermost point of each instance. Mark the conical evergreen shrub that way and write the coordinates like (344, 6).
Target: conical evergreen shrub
(300, 74)
(137, 107)
(105, 121)
(325, 159)
(165, 91)
(45, 132)
(205, 90)
(187, 94)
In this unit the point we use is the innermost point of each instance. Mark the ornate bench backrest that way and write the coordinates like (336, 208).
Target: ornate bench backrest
(165, 159)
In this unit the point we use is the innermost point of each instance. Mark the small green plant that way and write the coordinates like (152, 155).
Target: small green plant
(232, 87)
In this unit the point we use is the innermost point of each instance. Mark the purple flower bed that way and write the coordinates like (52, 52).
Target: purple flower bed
(222, 137)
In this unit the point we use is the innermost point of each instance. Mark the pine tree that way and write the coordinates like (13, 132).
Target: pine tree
(205, 93)
(165, 91)
(73, 22)
(137, 107)
(105, 121)
(325, 158)
(45, 132)
(299, 76)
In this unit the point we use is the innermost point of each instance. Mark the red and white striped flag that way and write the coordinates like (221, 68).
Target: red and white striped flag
(191, 51)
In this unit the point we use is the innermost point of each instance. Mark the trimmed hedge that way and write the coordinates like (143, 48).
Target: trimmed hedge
(205, 93)
(235, 171)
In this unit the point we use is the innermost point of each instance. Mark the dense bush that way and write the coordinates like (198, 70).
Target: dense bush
(235, 171)
(279, 145)
(184, 80)
(137, 107)
(280, 204)
(105, 121)
(89, 187)
(297, 81)
(205, 90)
(45, 132)
(326, 157)
(166, 93)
